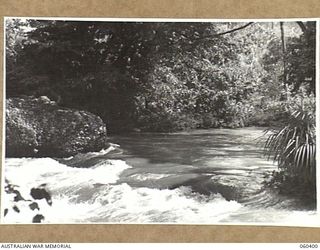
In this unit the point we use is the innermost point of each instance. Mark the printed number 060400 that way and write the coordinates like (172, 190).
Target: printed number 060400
(308, 245)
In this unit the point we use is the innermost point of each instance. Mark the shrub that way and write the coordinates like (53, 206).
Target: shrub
(293, 146)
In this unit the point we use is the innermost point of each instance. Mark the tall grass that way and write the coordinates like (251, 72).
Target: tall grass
(294, 145)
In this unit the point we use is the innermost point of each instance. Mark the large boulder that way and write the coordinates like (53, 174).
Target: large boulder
(37, 127)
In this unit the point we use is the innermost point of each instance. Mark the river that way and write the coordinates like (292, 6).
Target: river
(197, 177)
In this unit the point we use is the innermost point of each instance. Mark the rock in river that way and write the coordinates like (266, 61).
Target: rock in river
(37, 127)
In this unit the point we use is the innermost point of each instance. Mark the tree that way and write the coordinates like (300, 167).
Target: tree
(75, 61)
(293, 145)
(297, 54)
(159, 76)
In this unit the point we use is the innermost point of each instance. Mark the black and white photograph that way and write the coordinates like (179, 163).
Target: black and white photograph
(160, 121)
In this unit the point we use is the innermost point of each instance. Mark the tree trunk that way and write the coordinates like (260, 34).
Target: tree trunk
(283, 53)
(284, 60)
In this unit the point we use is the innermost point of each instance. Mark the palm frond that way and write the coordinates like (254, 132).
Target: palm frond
(293, 146)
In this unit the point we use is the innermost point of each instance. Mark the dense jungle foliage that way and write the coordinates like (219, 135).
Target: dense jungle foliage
(164, 76)
(170, 76)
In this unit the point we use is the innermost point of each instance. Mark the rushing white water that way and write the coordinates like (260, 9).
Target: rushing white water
(87, 195)
(156, 181)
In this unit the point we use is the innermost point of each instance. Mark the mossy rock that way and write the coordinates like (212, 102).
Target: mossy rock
(37, 127)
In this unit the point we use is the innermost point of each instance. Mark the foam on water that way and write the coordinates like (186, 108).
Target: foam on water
(90, 195)
(94, 195)
(26, 171)
(123, 203)
(149, 176)
(88, 155)
(61, 180)
(104, 151)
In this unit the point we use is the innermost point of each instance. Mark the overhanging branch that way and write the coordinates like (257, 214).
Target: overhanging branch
(221, 33)
(233, 30)
(302, 27)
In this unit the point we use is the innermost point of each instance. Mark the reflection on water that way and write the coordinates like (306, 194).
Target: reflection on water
(201, 176)
(225, 161)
